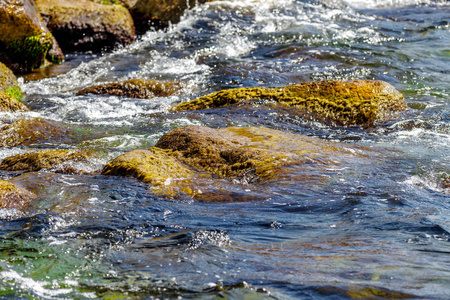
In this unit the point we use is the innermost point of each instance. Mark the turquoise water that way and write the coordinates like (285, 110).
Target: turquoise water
(374, 227)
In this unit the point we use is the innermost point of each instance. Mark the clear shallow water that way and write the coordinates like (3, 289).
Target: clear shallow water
(377, 226)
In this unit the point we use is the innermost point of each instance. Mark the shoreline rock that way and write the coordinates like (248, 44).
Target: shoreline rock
(358, 102)
(82, 25)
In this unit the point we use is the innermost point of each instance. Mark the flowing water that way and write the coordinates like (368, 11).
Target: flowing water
(377, 227)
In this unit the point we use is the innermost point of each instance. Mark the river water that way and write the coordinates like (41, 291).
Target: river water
(378, 227)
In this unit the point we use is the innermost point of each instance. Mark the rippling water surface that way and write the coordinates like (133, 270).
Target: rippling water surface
(377, 227)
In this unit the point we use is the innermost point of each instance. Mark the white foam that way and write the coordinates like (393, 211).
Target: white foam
(31, 285)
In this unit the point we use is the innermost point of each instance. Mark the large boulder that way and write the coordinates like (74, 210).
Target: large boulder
(82, 25)
(196, 160)
(134, 88)
(14, 197)
(358, 102)
(33, 131)
(24, 40)
(159, 13)
(60, 161)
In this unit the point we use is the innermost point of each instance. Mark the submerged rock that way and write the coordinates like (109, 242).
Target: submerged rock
(159, 13)
(32, 131)
(358, 102)
(24, 39)
(82, 25)
(14, 197)
(194, 160)
(60, 161)
(134, 88)
(255, 153)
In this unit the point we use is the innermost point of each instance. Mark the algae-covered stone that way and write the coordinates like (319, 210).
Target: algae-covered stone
(134, 88)
(154, 166)
(82, 25)
(14, 197)
(159, 13)
(203, 162)
(8, 103)
(24, 39)
(358, 102)
(257, 154)
(8, 82)
(32, 131)
(60, 161)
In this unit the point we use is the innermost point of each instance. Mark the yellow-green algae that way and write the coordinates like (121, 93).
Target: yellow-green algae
(243, 152)
(8, 103)
(14, 197)
(8, 83)
(134, 88)
(355, 102)
(154, 166)
(193, 160)
(28, 131)
(35, 161)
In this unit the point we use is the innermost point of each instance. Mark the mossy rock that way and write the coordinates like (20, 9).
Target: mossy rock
(8, 103)
(82, 25)
(8, 82)
(358, 102)
(202, 162)
(159, 13)
(153, 166)
(257, 154)
(24, 39)
(14, 197)
(33, 131)
(447, 183)
(60, 161)
(134, 88)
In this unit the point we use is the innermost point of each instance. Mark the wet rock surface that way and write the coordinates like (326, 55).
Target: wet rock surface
(24, 39)
(158, 14)
(60, 161)
(192, 160)
(358, 102)
(14, 197)
(33, 131)
(134, 88)
(84, 25)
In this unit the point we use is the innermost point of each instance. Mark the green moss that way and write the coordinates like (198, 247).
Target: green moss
(14, 92)
(345, 103)
(30, 52)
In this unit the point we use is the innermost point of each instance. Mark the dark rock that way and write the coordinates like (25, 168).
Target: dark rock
(159, 13)
(82, 25)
